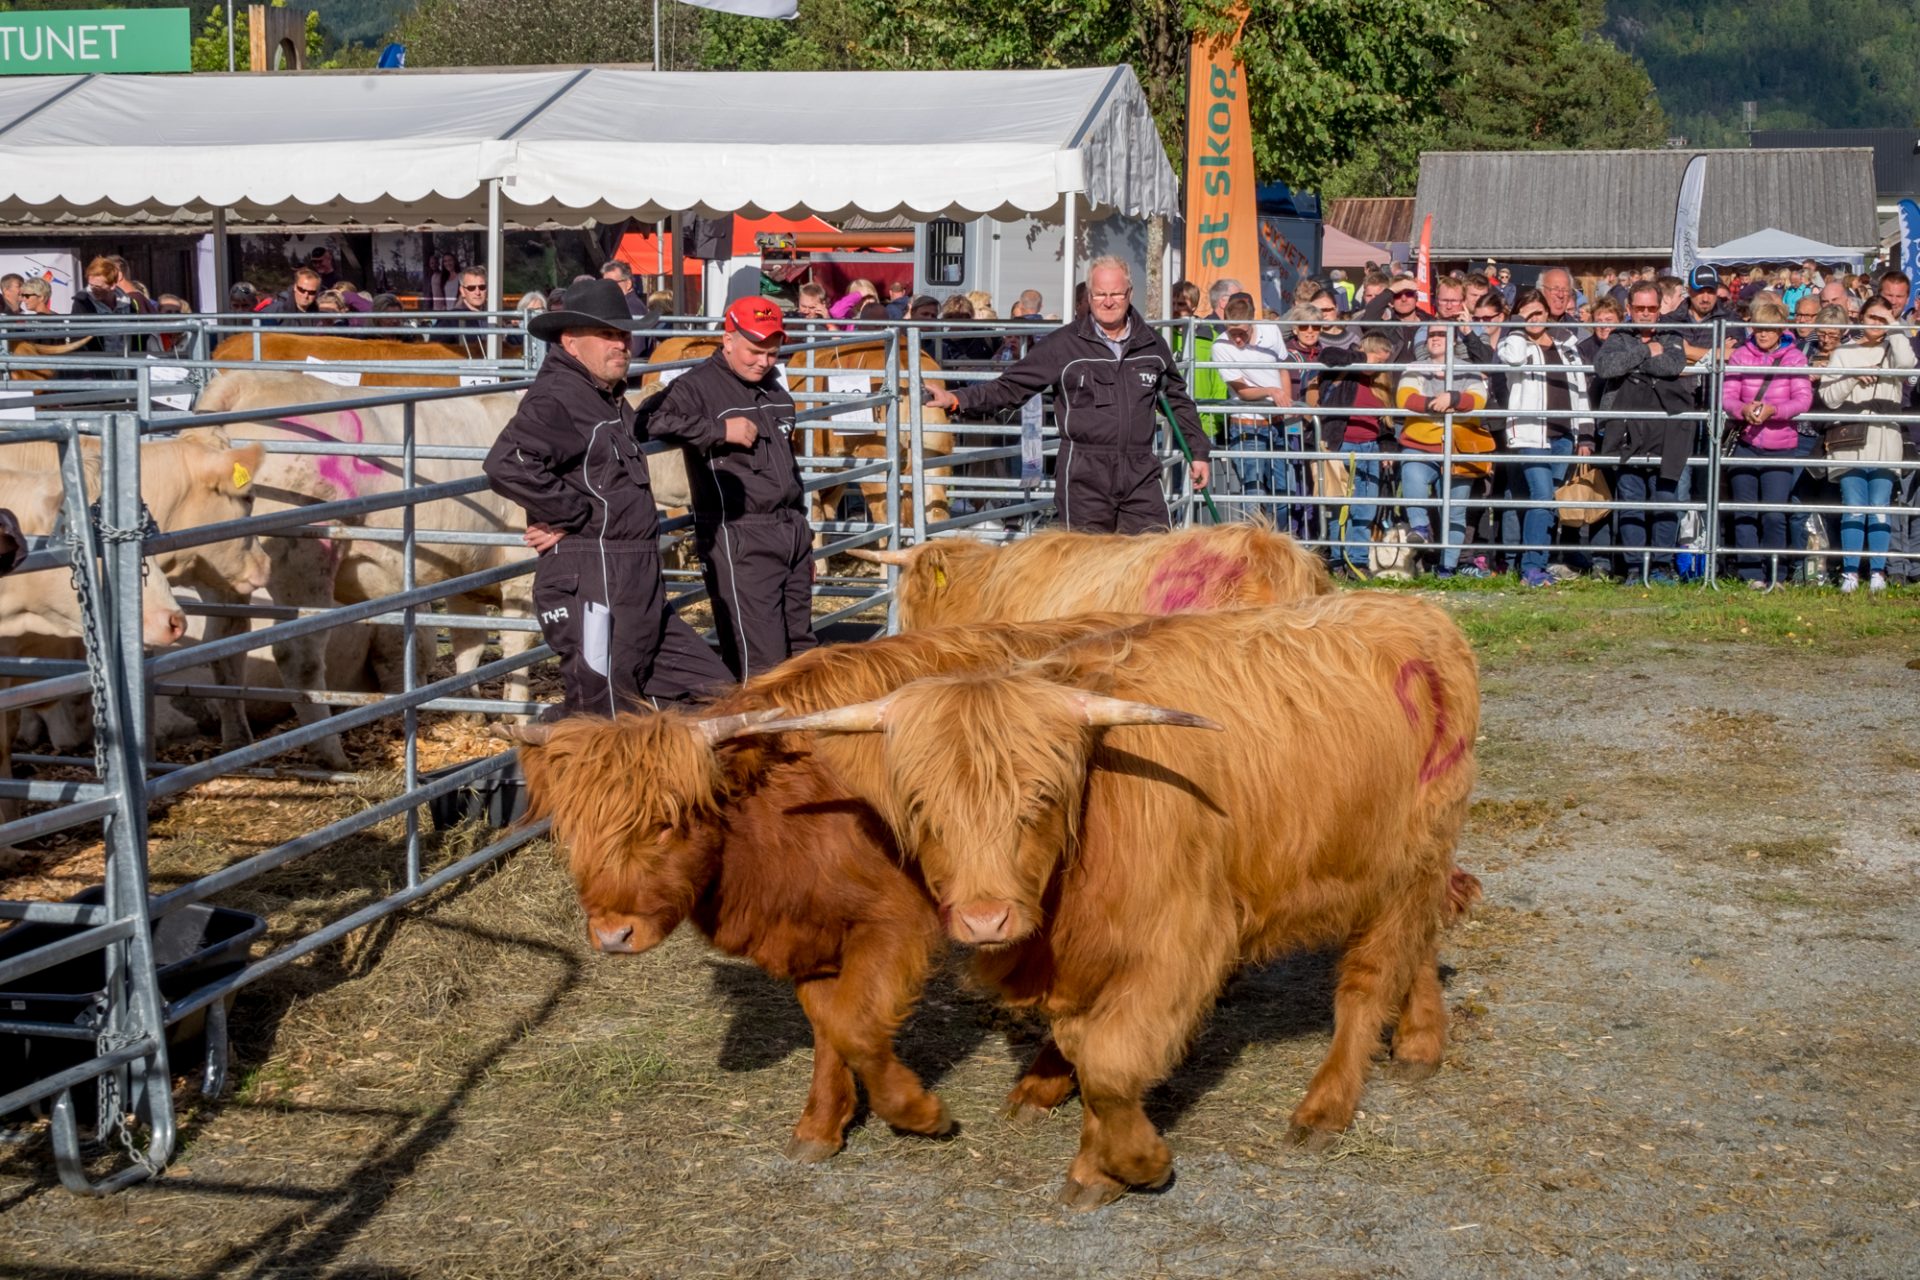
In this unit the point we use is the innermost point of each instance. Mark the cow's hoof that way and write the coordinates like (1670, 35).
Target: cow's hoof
(1026, 1114)
(1084, 1197)
(943, 1125)
(1409, 1071)
(1318, 1141)
(811, 1151)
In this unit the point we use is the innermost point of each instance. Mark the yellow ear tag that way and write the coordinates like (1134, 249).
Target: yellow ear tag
(940, 578)
(241, 476)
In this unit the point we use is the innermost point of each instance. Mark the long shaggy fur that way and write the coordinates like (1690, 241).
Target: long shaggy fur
(1053, 574)
(297, 348)
(763, 848)
(1325, 815)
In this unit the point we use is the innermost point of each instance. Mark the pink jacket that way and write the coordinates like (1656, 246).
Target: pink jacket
(1790, 394)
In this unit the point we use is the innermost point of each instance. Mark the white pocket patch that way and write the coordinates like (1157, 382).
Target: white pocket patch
(596, 638)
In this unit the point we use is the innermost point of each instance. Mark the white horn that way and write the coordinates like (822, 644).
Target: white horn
(861, 717)
(720, 728)
(1115, 711)
(901, 558)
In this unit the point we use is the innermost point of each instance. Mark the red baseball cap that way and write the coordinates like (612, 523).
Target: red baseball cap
(757, 318)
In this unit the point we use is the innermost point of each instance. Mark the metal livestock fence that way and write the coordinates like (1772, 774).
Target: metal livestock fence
(996, 482)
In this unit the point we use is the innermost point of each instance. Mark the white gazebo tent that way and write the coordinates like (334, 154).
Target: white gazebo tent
(585, 143)
(1773, 247)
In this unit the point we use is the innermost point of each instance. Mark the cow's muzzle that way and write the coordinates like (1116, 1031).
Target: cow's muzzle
(985, 922)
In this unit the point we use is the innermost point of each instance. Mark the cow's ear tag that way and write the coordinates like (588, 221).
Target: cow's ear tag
(241, 476)
(940, 578)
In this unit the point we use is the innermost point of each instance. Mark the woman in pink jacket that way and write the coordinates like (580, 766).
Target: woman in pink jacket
(1767, 388)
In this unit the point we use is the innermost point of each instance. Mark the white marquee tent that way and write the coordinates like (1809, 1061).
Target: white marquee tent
(603, 143)
(1772, 246)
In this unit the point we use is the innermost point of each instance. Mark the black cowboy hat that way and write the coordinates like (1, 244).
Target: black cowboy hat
(591, 304)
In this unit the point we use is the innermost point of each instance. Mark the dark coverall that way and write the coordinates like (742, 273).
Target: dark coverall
(749, 512)
(571, 456)
(1108, 476)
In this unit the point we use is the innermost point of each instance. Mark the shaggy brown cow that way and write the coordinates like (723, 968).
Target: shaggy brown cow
(303, 347)
(665, 820)
(841, 440)
(1119, 876)
(1053, 574)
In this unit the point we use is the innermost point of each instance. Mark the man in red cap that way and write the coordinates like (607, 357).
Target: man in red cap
(572, 457)
(749, 518)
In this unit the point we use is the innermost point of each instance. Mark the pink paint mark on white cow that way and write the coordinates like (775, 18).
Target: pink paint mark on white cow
(344, 473)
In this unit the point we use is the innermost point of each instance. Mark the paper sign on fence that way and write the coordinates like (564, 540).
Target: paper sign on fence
(334, 376)
(854, 384)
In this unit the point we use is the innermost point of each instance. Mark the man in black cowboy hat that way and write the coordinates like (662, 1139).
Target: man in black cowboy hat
(571, 456)
(749, 509)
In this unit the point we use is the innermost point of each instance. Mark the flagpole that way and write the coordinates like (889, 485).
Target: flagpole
(656, 35)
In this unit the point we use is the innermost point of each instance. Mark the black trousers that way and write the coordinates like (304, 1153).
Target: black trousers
(603, 609)
(1107, 491)
(759, 573)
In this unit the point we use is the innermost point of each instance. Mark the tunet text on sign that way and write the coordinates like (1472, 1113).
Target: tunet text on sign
(69, 41)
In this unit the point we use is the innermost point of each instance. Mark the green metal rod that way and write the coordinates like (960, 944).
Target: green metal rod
(1180, 438)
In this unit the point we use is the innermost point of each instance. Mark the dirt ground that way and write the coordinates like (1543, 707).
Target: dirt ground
(1683, 1046)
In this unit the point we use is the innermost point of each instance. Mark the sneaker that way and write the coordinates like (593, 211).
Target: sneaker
(1757, 584)
(1661, 578)
(1849, 583)
(1560, 573)
(1877, 583)
(1471, 571)
(1536, 577)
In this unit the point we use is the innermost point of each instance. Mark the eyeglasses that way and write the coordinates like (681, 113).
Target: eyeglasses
(1113, 297)
(473, 288)
(304, 293)
(1404, 293)
(1305, 327)
(1328, 311)
(1653, 310)
(1487, 315)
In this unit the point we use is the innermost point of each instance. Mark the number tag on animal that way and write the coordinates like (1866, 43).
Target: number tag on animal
(241, 476)
(853, 384)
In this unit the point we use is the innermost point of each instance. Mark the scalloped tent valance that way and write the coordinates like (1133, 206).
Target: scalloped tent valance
(600, 143)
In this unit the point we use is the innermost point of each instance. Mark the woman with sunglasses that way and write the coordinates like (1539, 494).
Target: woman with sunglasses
(1862, 446)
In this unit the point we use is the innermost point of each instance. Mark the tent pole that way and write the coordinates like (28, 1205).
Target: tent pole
(679, 267)
(221, 272)
(493, 265)
(1067, 255)
(656, 35)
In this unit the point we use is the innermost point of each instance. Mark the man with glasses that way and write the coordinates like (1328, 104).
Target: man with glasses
(1109, 370)
(1400, 302)
(1642, 371)
(467, 330)
(300, 302)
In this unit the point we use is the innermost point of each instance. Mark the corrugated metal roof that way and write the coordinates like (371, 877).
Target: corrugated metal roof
(1896, 152)
(1619, 204)
(1377, 220)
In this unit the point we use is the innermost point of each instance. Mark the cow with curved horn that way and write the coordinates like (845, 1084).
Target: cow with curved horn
(1114, 874)
(1050, 575)
(672, 816)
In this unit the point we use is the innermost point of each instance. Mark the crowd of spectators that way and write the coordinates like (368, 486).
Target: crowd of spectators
(1571, 367)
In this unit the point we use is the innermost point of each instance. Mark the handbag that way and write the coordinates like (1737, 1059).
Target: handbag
(1585, 483)
(1843, 436)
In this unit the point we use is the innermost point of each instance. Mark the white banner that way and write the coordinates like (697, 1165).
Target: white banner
(1686, 217)
(787, 9)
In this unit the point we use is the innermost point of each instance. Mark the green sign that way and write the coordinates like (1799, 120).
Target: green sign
(65, 42)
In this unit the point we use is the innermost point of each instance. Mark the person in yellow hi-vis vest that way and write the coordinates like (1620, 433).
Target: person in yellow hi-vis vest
(1432, 398)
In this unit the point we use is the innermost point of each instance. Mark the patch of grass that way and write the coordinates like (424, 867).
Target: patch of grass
(1793, 850)
(595, 1075)
(1497, 818)
(1584, 619)
(1729, 728)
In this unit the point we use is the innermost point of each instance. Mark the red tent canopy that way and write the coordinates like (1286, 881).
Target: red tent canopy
(641, 250)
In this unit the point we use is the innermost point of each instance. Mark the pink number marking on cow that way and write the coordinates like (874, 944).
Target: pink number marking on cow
(343, 473)
(1434, 763)
(1199, 581)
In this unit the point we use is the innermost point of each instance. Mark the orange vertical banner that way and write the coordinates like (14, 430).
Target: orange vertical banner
(1223, 238)
(1423, 264)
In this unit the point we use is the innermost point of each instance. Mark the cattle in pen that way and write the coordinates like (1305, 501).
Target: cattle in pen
(1116, 861)
(666, 817)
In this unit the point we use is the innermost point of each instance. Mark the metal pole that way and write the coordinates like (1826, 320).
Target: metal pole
(656, 35)
(229, 37)
(410, 643)
(916, 441)
(1716, 413)
(893, 481)
(222, 271)
(1068, 251)
(493, 270)
(1445, 481)
(679, 267)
